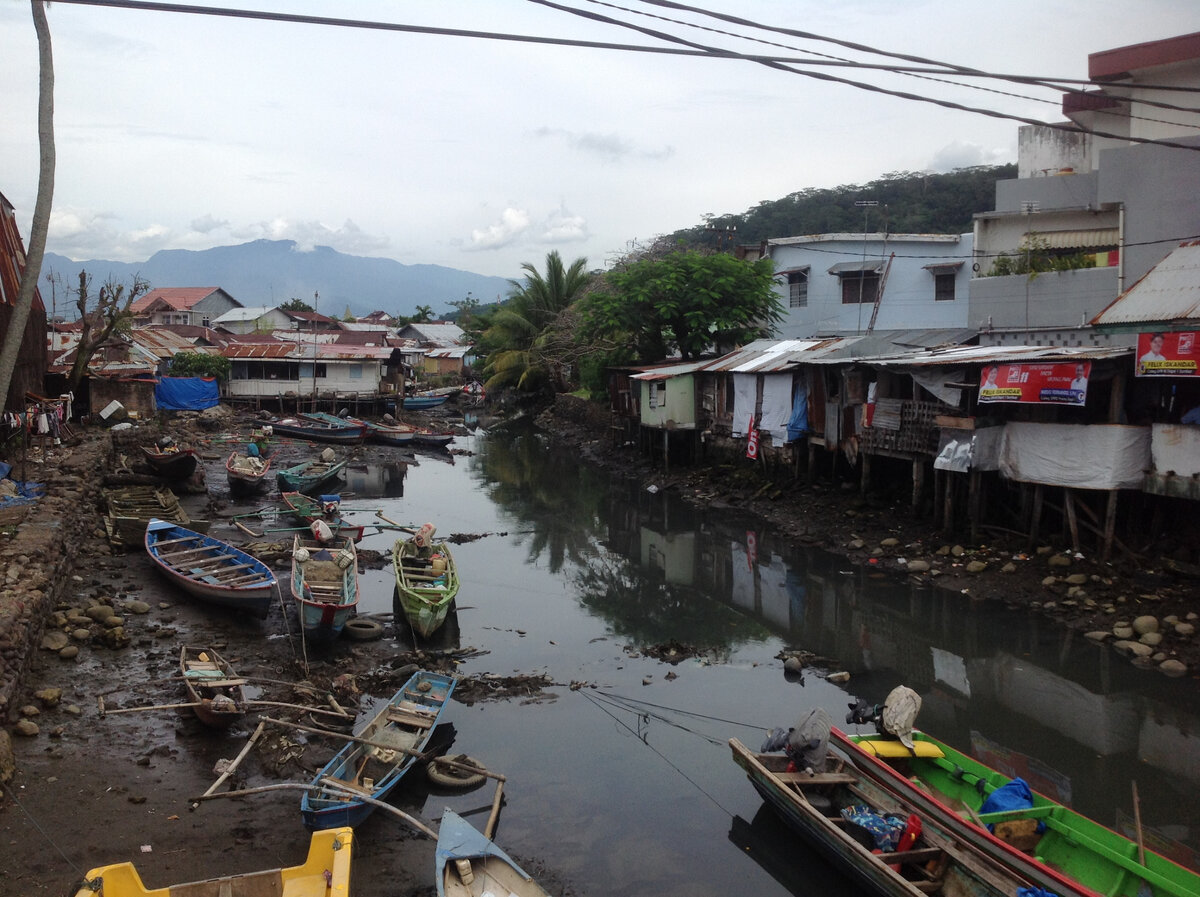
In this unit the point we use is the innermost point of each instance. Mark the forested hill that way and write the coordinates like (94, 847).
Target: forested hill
(911, 203)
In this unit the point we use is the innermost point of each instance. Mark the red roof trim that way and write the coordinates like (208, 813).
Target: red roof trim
(1113, 65)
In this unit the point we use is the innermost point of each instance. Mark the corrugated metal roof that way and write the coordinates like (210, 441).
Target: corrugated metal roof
(305, 352)
(871, 265)
(1170, 291)
(760, 356)
(178, 298)
(968, 355)
(246, 313)
(456, 352)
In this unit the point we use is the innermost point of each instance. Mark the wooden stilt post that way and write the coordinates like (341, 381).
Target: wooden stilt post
(973, 504)
(812, 461)
(948, 504)
(1072, 521)
(1110, 525)
(1035, 523)
(864, 480)
(918, 484)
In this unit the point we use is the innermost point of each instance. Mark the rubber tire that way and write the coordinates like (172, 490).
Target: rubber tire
(363, 630)
(446, 777)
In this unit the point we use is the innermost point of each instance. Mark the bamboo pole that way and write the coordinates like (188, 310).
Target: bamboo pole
(1137, 823)
(236, 762)
(332, 786)
(104, 711)
(454, 764)
(490, 829)
(340, 713)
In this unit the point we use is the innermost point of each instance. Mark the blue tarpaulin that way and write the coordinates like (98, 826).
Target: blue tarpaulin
(187, 393)
(798, 423)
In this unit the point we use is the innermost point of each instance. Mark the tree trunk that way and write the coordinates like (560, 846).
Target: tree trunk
(41, 209)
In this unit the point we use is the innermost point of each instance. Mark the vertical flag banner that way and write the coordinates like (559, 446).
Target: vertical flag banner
(752, 440)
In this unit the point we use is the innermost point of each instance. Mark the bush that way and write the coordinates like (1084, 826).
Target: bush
(196, 364)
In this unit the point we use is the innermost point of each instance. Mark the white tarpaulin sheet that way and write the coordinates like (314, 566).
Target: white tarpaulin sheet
(1097, 456)
(933, 382)
(745, 391)
(777, 406)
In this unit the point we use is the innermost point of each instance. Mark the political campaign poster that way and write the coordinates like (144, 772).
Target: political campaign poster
(1166, 354)
(1058, 383)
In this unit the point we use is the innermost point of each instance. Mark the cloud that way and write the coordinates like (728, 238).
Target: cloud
(962, 154)
(349, 238)
(563, 227)
(609, 147)
(206, 224)
(512, 225)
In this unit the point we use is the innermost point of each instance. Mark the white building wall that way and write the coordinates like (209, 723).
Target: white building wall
(908, 295)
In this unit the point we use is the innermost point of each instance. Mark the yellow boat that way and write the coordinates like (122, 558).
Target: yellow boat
(326, 873)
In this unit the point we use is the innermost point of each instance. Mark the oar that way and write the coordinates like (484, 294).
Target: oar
(246, 529)
(399, 526)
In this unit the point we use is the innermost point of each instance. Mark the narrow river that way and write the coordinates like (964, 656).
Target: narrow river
(625, 786)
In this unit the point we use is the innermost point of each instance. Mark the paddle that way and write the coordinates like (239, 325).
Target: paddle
(399, 526)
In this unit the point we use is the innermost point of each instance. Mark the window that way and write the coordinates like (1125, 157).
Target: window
(943, 287)
(652, 393)
(798, 288)
(859, 286)
(355, 371)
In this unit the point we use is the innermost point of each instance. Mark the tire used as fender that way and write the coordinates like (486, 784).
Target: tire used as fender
(453, 777)
(362, 629)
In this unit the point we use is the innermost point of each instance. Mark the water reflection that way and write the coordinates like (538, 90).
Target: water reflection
(376, 480)
(1013, 688)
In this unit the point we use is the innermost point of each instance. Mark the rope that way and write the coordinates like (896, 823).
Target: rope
(12, 794)
(624, 704)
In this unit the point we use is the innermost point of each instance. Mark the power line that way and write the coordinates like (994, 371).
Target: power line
(693, 49)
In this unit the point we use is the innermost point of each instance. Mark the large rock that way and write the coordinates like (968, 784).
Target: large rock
(8, 761)
(1145, 624)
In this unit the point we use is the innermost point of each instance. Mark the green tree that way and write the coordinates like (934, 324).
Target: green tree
(200, 364)
(294, 304)
(687, 301)
(525, 327)
(422, 314)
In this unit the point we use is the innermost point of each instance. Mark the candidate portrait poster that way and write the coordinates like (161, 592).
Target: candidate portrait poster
(1166, 354)
(1058, 383)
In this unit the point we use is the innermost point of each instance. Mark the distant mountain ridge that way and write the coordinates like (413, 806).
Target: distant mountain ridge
(270, 272)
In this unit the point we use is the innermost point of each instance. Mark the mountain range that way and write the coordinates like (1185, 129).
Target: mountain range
(270, 272)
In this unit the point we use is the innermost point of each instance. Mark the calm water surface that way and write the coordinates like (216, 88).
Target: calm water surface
(626, 786)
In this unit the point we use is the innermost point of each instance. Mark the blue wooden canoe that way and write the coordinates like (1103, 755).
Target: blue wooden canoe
(209, 569)
(424, 403)
(398, 733)
(324, 586)
(384, 434)
(468, 863)
(305, 427)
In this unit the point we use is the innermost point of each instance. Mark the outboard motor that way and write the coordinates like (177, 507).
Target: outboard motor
(895, 717)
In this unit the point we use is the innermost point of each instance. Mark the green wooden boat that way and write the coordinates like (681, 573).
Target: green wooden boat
(426, 583)
(1071, 855)
(309, 476)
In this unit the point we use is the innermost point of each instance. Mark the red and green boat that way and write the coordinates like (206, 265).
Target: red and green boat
(1048, 843)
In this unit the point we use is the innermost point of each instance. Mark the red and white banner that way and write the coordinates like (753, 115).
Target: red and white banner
(751, 548)
(1166, 354)
(1059, 383)
(752, 439)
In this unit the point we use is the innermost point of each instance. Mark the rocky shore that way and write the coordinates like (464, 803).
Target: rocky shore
(1148, 610)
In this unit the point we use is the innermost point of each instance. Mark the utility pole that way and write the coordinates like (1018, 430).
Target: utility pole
(866, 205)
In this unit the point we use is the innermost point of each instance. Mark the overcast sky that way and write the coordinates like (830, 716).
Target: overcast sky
(178, 131)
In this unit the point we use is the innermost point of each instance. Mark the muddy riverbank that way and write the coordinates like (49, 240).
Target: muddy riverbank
(90, 632)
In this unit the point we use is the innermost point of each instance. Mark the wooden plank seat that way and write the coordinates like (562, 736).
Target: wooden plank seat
(176, 541)
(218, 568)
(172, 557)
(223, 683)
(407, 718)
(821, 778)
(349, 786)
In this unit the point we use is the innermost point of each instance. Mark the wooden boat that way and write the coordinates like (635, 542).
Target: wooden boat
(171, 463)
(1073, 856)
(209, 569)
(325, 873)
(213, 686)
(424, 402)
(305, 427)
(929, 859)
(468, 864)
(324, 585)
(398, 732)
(247, 474)
(309, 476)
(309, 509)
(426, 583)
(432, 438)
(130, 508)
(384, 434)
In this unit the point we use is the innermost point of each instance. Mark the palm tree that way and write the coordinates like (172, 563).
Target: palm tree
(41, 206)
(527, 319)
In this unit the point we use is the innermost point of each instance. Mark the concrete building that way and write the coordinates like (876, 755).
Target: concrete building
(252, 319)
(839, 284)
(1116, 199)
(182, 305)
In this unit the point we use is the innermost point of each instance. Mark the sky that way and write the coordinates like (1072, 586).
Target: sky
(183, 131)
